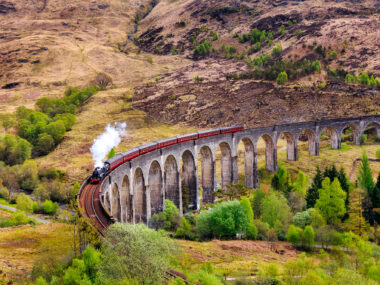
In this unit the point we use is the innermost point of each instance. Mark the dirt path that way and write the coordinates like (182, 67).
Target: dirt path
(28, 215)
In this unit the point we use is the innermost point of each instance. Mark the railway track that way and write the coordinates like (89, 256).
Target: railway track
(92, 209)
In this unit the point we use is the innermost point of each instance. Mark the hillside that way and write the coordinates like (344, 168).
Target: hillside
(147, 48)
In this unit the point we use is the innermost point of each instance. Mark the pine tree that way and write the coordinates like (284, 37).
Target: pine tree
(312, 194)
(331, 172)
(331, 201)
(376, 200)
(365, 175)
(356, 222)
(365, 182)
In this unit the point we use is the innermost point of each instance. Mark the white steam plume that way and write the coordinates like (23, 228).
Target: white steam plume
(106, 141)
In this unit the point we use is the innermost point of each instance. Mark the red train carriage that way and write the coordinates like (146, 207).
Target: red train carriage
(148, 148)
(206, 134)
(130, 154)
(167, 142)
(115, 161)
(232, 129)
(189, 137)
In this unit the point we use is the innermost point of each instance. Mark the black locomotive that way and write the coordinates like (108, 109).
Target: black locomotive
(99, 173)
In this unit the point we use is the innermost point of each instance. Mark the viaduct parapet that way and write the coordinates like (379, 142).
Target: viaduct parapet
(136, 190)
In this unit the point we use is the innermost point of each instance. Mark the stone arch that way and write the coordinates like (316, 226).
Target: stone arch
(291, 146)
(208, 174)
(250, 164)
(188, 182)
(155, 186)
(270, 153)
(128, 200)
(335, 138)
(115, 203)
(139, 191)
(355, 132)
(375, 125)
(171, 180)
(226, 164)
(313, 145)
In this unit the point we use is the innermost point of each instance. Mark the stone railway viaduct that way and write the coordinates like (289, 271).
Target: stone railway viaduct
(136, 190)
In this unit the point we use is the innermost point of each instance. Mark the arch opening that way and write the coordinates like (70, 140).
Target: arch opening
(312, 143)
(108, 202)
(330, 133)
(127, 200)
(350, 133)
(372, 130)
(139, 191)
(206, 172)
(287, 139)
(115, 206)
(171, 178)
(155, 186)
(188, 182)
(266, 146)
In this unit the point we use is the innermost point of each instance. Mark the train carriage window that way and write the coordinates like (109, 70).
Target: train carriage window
(109, 180)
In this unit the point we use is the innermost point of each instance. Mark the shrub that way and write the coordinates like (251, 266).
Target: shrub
(282, 78)
(202, 49)
(224, 220)
(333, 55)
(14, 150)
(4, 193)
(301, 219)
(308, 237)
(214, 35)
(50, 208)
(45, 144)
(298, 32)
(168, 219)
(135, 251)
(24, 203)
(198, 79)
(17, 219)
(251, 232)
(294, 235)
(277, 50)
(102, 80)
(316, 65)
(362, 139)
(378, 153)
(184, 230)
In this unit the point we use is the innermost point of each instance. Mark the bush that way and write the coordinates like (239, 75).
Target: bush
(277, 50)
(45, 144)
(17, 219)
(282, 78)
(24, 203)
(362, 139)
(102, 80)
(168, 219)
(14, 150)
(224, 220)
(202, 49)
(308, 237)
(50, 208)
(184, 231)
(378, 153)
(251, 232)
(302, 219)
(4, 193)
(294, 235)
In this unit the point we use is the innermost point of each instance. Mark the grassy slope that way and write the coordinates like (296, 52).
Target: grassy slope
(21, 246)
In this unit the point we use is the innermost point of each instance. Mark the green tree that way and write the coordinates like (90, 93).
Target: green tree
(135, 251)
(256, 200)
(246, 204)
(365, 179)
(24, 203)
(50, 208)
(301, 183)
(112, 153)
(282, 78)
(57, 130)
(45, 144)
(331, 202)
(356, 222)
(313, 193)
(376, 200)
(280, 181)
(308, 237)
(28, 175)
(274, 208)
(302, 219)
(294, 234)
(14, 150)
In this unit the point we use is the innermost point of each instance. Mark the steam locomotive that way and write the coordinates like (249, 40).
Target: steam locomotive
(110, 164)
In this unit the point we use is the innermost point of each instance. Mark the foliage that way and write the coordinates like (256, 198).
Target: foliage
(111, 153)
(28, 175)
(202, 49)
(168, 219)
(233, 191)
(184, 230)
(24, 203)
(256, 201)
(17, 219)
(331, 201)
(50, 208)
(4, 192)
(282, 78)
(277, 49)
(280, 181)
(135, 251)
(356, 222)
(301, 183)
(365, 180)
(14, 150)
(312, 193)
(224, 220)
(308, 237)
(378, 153)
(294, 235)
(302, 219)
(274, 208)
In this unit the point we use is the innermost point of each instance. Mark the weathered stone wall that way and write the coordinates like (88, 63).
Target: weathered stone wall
(136, 190)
